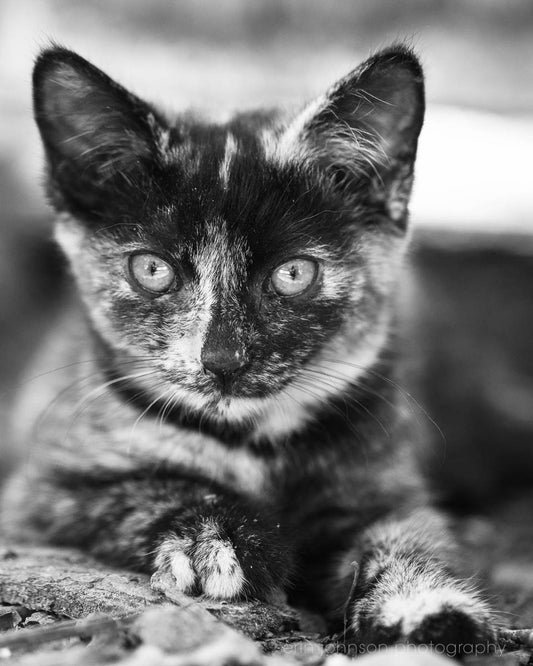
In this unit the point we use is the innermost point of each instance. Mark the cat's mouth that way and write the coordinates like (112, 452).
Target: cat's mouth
(238, 401)
(218, 401)
(222, 391)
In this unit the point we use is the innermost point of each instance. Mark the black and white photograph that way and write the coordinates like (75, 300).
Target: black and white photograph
(266, 332)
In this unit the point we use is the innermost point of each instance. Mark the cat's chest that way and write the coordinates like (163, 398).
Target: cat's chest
(113, 437)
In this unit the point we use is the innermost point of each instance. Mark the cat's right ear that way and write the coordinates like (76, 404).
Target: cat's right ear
(96, 134)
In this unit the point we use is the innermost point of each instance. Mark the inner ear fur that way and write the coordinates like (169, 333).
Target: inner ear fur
(363, 134)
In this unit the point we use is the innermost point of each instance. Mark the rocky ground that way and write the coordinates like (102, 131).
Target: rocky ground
(60, 608)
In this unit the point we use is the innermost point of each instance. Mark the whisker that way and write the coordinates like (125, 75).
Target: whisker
(360, 382)
(410, 398)
(167, 407)
(46, 373)
(75, 384)
(351, 399)
(307, 387)
(102, 388)
(141, 416)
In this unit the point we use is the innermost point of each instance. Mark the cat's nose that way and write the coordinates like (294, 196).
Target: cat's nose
(223, 353)
(224, 363)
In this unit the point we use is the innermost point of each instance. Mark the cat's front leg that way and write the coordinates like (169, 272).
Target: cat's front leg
(223, 549)
(405, 590)
(211, 540)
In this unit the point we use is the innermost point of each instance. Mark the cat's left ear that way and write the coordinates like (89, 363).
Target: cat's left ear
(363, 133)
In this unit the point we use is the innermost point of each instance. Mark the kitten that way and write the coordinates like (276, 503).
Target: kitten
(228, 410)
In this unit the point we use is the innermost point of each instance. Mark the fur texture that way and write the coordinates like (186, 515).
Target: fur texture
(247, 441)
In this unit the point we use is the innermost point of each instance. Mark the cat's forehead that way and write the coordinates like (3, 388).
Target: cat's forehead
(208, 151)
(219, 188)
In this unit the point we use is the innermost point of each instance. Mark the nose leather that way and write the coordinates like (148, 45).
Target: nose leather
(222, 362)
(223, 354)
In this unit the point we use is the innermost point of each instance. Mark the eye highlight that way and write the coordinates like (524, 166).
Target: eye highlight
(151, 273)
(294, 277)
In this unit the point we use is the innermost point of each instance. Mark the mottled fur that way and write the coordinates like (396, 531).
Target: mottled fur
(295, 472)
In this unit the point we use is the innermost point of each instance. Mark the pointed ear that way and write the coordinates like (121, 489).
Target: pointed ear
(94, 131)
(363, 133)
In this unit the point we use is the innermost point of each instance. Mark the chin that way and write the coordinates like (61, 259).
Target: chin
(235, 409)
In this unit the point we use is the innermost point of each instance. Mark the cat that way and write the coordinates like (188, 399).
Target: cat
(228, 410)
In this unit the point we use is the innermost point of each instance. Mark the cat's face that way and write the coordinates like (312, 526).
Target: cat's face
(238, 263)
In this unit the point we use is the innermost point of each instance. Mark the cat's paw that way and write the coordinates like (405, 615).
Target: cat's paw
(453, 620)
(208, 565)
(210, 559)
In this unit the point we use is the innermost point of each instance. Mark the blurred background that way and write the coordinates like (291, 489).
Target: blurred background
(468, 329)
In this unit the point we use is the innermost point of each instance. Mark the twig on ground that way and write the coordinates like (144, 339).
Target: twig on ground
(86, 628)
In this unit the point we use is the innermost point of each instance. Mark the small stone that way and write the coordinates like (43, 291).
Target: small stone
(39, 618)
(9, 618)
(173, 629)
(306, 652)
(518, 637)
(338, 660)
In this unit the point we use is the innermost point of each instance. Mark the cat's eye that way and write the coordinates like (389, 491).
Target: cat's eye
(152, 273)
(294, 277)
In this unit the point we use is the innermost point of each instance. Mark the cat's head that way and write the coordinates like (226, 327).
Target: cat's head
(248, 267)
